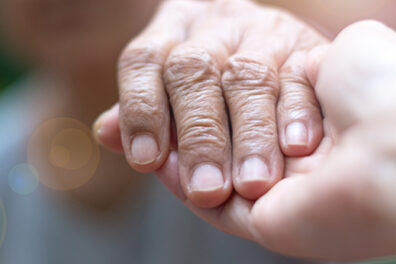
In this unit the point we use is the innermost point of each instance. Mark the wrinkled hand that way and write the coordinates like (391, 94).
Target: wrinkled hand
(340, 202)
(217, 64)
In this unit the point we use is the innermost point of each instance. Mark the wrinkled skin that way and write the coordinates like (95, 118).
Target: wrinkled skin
(219, 65)
(339, 202)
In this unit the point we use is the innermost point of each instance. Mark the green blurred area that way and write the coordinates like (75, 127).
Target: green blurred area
(385, 261)
(9, 70)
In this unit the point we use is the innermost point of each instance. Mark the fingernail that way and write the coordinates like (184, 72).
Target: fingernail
(254, 169)
(207, 178)
(296, 134)
(144, 149)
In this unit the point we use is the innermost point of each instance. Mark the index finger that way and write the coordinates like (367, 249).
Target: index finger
(144, 108)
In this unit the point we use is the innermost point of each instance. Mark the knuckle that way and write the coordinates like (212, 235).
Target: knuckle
(189, 68)
(294, 73)
(297, 95)
(140, 102)
(138, 115)
(299, 101)
(135, 96)
(202, 135)
(243, 74)
(302, 103)
(136, 59)
(137, 100)
(257, 129)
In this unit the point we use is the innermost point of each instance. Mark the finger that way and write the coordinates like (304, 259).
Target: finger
(313, 62)
(250, 83)
(144, 110)
(107, 130)
(348, 198)
(281, 218)
(298, 111)
(330, 213)
(233, 218)
(289, 221)
(192, 78)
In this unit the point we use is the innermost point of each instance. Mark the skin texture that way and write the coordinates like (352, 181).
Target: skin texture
(327, 207)
(232, 72)
(338, 203)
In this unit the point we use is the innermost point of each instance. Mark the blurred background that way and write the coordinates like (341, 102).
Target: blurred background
(10, 70)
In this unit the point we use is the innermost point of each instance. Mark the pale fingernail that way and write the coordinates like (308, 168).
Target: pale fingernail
(254, 169)
(296, 134)
(144, 149)
(207, 178)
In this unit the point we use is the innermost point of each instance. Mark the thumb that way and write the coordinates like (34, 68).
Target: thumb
(106, 130)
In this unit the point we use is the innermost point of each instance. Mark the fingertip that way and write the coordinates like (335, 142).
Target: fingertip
(144, 149)
(297, 135)
(254, 179)
(145, 135)
(253, 189)
(210, 198)
(169, 175)
(208, 187)
(313, 62)
(301, 138)
(146, 152)
(106, 130)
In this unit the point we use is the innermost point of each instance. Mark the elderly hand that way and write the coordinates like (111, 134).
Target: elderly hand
(340, 202)
(232, 73)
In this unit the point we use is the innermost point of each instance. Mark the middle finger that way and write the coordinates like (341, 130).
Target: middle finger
(193, 81)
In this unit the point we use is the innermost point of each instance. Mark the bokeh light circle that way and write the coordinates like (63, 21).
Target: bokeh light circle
(23, 179)
(71, 158)
(64, 153)
(59, 156)
(3, 223)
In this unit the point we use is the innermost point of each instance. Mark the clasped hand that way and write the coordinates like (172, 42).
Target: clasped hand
(218, 98)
